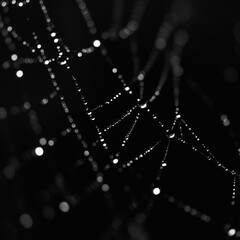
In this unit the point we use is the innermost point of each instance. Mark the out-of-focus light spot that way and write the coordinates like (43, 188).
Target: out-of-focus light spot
(26, 220)
(160, 43)
(231, 232)
(6, 65)
(96, 43)
(3, 113)
(105, 187)
(43, 141)
(19, 73)
(39, 151)
(27, 105)
(64, 207)
(86, 153)
(140, 77)
(99, 179)
(114, 70)
(181, 37)
(231, 75)
(48, 212)
(225, 120)
(9, 28)
(50, 143)
(140, 218)
(44, 101)
(9, 172)
(14, 57)
(156, 191)
(183, 10)
(236, 32)
(4, 4)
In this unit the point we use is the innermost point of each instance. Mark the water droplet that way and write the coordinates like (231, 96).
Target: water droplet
(142, 105)
(14, 57)
(127, 89)
(19, 73)
(39, 151)
(170, 133)
(64, 207)
(96, 43)
(26, 220)
(231, 232)
(115, 161)
(156, 191)
(140, 76)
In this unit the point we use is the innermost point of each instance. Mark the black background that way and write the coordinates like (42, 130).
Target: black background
(210, 61)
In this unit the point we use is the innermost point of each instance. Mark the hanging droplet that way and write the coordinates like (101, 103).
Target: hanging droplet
(231, 232)
(96, 43)
(115, 161)
(156, 191)
(19, 73)
(142, 105)
(127, 89)
(170, 134)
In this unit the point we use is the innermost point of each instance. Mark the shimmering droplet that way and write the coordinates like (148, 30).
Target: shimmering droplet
(19, 73)
(53, 34)
(127, 89)
(39, 151)
(156, 191)
(114, 70)
(96, 43)
(115, 161)
(170, 133)
(231, 232)
(143, 105)
(14, 57)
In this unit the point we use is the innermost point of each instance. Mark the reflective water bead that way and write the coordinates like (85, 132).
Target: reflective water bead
(96, 43)
(115, 160)
(142, 105)
(170, 134)
(156, 191)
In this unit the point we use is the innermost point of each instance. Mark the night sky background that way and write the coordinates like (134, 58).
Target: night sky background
(209, 88)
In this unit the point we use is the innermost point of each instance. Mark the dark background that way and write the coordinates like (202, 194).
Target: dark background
(209, 88)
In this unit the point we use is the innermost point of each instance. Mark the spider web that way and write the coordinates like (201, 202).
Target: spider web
(124, 141)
